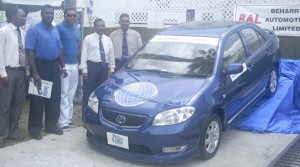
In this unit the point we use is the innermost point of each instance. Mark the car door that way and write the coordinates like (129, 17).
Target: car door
(261, 59)
(235, 86)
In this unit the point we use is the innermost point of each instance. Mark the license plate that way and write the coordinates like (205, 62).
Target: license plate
(117, 140)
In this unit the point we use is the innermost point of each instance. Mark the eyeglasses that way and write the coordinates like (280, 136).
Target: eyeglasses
(72, 15)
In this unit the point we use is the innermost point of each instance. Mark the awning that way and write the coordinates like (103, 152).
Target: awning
(34, 2)
(33, 5)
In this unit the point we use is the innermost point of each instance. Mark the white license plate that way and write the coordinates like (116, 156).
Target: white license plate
(117, 140)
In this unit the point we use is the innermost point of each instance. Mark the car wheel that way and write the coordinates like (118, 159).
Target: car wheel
(272, 83)
(210, 137)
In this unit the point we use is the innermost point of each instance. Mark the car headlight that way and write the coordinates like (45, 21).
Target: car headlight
(173, 116)
(93, 102)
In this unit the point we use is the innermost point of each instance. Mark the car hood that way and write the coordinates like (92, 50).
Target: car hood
(147, 93)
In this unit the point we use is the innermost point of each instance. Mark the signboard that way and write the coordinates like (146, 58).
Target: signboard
(283, 19)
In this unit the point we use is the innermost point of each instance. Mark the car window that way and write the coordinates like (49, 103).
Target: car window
(261, 38)
(177, 55)
(253, 40)
(234, 50)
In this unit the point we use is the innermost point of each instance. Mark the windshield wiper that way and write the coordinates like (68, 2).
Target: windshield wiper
(161, 71)
(195, 75)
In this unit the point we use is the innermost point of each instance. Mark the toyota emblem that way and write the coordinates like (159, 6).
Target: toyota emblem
(121, 119)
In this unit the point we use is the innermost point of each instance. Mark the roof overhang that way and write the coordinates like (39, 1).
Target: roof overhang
(33, 5)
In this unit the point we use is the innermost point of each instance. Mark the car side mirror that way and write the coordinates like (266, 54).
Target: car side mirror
(234, 68)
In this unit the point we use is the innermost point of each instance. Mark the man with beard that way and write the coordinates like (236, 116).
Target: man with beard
(44, 50)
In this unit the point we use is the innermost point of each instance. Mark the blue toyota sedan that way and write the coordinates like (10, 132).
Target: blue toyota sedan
(173, 98)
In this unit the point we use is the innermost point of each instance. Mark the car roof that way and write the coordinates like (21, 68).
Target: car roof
(202, 28)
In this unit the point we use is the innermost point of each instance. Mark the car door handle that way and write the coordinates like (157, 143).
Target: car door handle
(268, 51)
(250, 66)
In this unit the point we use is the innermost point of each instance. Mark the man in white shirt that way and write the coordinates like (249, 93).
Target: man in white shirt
(126, 41)
(97, 60)
(13, 73)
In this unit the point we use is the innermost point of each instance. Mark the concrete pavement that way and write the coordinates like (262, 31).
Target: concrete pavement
(237, 149)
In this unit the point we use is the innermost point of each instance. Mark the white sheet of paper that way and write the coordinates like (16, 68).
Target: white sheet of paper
(45, 89)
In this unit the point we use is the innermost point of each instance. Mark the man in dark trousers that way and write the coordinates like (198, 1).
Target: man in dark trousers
(12, 72)
(44, 50)
(126, 41)
(97, 60)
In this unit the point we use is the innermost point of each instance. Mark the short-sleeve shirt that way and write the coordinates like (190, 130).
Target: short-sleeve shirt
(44, 41)
(70, 39)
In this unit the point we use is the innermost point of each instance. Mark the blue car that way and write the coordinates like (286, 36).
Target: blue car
(173, 98)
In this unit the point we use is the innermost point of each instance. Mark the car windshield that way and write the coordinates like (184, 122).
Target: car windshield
(179, 55)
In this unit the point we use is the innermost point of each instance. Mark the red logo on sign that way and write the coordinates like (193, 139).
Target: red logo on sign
(249, 18)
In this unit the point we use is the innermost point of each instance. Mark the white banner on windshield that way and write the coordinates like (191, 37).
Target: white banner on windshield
(283, 19)
(186, 39)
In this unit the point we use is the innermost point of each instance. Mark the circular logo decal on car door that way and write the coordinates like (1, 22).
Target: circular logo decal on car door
(135, 93)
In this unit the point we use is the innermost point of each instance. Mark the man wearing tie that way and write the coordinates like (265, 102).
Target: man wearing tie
(12, 72)
(97, 60)
(126, 41)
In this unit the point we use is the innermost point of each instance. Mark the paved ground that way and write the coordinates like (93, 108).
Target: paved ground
(237, 149)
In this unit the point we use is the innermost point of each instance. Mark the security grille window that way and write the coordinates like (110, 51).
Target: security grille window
(253, 42)
(234, 50)
(159, 13)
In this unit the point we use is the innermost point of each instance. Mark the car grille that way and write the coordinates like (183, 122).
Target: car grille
(132, 147)
(131, 121)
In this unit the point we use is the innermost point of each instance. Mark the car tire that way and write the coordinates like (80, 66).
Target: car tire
(210, 137)
(272, 82)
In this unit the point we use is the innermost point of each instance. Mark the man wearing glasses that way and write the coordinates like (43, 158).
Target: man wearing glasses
(70, 39)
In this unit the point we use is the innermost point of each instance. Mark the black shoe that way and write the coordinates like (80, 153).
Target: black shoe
(16, 137)
(56, 131)
(66, 128)
(2, 144)
(36, 136)
(71, 125)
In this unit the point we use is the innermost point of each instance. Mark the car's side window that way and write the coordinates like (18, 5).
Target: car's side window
(253, 40)
(261, 38)
(234, 50)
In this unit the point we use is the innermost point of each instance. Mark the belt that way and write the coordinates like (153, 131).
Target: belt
(46, 60)
(15, 68)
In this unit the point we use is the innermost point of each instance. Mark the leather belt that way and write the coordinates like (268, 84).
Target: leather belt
(15, 68)
(46, 60)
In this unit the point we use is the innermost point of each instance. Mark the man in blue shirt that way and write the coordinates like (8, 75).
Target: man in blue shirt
(44, 50)
(70, 39)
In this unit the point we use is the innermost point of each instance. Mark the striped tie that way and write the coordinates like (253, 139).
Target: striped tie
(21, 49)
(102, 53)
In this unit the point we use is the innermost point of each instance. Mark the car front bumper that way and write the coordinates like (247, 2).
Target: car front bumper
(146, 142)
